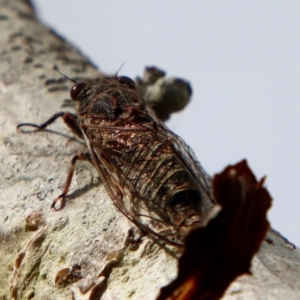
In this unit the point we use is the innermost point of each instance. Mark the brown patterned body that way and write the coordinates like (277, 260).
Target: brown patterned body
(150, 173)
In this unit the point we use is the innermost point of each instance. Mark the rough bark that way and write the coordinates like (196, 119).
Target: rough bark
(84, 250)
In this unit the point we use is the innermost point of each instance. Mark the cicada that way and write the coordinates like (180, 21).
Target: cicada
(151, 175)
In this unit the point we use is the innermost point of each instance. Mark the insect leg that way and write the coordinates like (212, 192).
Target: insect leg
(69, 118)
(79, 156)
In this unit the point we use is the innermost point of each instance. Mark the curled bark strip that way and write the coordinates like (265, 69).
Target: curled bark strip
(218, 253)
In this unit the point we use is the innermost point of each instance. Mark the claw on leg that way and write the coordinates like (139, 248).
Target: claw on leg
(81, 156)
(61, 200)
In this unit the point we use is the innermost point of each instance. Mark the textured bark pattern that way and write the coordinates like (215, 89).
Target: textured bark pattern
(52, 255)
(46, 254)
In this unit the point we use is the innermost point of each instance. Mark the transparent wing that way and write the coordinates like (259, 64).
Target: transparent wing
(144, 168)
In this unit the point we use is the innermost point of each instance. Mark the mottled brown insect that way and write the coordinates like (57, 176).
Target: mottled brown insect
(150, 174)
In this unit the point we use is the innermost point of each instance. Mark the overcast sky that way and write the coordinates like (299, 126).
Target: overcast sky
(242, 59)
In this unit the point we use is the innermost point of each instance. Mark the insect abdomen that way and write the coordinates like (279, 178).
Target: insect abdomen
(162, 183)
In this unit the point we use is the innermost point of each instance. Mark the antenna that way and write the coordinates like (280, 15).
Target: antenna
(55, 67)
(120, 68)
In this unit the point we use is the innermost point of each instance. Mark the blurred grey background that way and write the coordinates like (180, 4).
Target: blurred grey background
(242, 59)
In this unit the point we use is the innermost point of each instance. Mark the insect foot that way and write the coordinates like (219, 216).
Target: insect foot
(151, 175)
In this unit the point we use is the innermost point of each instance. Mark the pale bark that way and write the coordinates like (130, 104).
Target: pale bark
(39, 247)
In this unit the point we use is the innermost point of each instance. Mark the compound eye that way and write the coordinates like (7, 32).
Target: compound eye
(76, 89)
(127, 80)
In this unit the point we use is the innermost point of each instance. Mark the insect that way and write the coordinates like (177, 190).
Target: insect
(150, 174)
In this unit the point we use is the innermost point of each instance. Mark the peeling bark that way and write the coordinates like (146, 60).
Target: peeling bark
(87, 249)
(216, 254)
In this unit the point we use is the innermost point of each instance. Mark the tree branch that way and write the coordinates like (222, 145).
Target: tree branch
(87, 249)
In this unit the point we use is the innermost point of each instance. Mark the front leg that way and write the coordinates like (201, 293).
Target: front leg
(80, 156)
(69, 118)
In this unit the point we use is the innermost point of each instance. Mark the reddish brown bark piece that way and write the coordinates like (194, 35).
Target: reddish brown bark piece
(216, 254)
